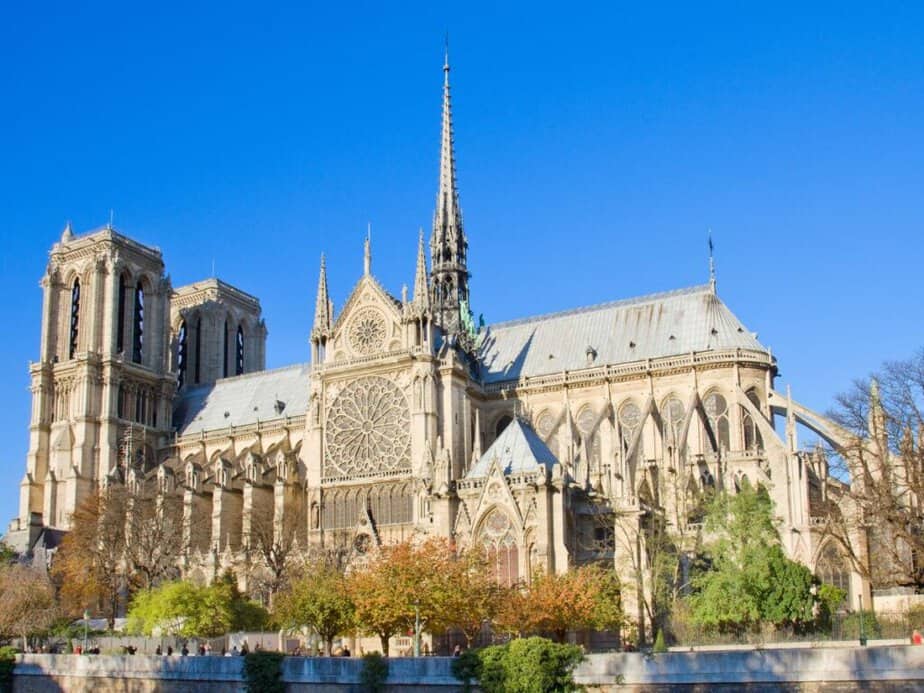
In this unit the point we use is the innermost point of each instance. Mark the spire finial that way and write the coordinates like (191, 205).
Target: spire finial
(711, 263)
(446, 58)
(421, 287)
(367, 251)
(322, 306)
(68, 232)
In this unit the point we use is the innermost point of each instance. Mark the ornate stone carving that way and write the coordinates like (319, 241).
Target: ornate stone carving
(368, 429)
(367, 331)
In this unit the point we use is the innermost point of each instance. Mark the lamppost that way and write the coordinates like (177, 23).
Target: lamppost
(416, 627)
(862, 624)
(86, 622)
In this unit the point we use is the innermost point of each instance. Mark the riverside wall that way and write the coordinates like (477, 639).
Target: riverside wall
(894, 668)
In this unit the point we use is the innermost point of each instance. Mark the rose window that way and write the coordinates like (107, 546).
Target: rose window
(368, 429)
(367, 331)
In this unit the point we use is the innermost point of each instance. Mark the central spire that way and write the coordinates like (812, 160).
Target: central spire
(448, 245)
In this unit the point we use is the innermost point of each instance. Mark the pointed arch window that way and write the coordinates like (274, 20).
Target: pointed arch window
(500, 545)
(239, 352)
(831, 569)
(198, 365)
(75, 319)
(224, 359)
(752, 437)
(630, 418)
(120, 319)
(547, 428)
(717, 412)
(138, 324)
(590, 433)
(182, 354)
(672, 416)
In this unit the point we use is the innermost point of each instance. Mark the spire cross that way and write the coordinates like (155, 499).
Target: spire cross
(711, 262)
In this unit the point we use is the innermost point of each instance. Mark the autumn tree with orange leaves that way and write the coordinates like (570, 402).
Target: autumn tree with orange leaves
(582, 598)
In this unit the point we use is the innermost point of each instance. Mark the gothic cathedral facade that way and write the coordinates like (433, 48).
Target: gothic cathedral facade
(553, 441)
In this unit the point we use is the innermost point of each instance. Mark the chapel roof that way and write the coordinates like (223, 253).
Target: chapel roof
(675, 322)
(244, 400)
(517, 449)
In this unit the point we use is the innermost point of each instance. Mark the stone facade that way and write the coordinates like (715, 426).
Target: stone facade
(554, 440)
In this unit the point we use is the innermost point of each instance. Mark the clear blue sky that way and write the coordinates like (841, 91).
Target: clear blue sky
(595, 147)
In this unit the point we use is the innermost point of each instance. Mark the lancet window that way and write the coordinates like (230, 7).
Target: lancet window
(752, 437)
(630, 418)
(831, 568)
(590, 434)
(138, 324)
(182, 354)
(239, 352)
(717, 412)
(498, 539)
(224, 360)
(547, 428)
(75, 319)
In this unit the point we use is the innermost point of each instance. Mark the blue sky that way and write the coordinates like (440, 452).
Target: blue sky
(595, 144)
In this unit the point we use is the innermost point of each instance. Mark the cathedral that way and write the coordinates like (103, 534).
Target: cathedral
(552, 440)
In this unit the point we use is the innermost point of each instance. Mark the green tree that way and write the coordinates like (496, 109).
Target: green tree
(187, 610)
(319, 599)
(744, 578)
(525, 665)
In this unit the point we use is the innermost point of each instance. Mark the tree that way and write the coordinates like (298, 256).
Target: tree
(27, 601)
(275, 545)
(154, 536)
(402, 586)
(745, 579)
(880, 511)
(90, 563)
(188, 610)
(585, 597)
(319, 599)
(473, 595)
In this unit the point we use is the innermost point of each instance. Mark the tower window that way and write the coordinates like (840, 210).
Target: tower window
(198, 349)
(75, 318)
(224, 360)
(182, 354)
(239, 358)
(120, 320)
(138, 332)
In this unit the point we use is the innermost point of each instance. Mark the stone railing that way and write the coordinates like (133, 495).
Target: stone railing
(635, 368)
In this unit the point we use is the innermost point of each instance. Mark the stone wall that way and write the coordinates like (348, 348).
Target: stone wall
(895, 668)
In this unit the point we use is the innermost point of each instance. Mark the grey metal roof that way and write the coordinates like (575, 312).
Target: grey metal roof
(517, 449)
(653, 326)
(244, 400)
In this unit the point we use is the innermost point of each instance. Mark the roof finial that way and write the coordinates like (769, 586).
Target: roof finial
(711, 263)
(68, 232)
(367, 251)
(111, 218)
(446, 60)
(322, 307)
(421, 287)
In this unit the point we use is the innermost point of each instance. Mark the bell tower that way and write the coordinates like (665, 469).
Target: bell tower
(101, 391)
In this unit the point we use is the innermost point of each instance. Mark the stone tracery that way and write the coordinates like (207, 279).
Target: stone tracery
(368, 429)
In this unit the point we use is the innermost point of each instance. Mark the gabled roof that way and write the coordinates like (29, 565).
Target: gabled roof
(244, 400)
(653, 326)
(517, 449)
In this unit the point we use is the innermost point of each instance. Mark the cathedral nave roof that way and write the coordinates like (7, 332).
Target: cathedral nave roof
(635, 329)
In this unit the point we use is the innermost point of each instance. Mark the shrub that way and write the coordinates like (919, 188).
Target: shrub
(850, 626)
(263, 672)
(374, 672)
(7, 663)
(530, 665)
(659, 645)
(916, 617)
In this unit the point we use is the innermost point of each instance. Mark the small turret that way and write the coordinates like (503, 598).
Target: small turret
(323, 309)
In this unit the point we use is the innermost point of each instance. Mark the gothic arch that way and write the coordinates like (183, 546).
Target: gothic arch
(718, 425)
(498, 536)
(832, 567)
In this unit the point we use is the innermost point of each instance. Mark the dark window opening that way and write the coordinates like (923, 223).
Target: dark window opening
(120, 320)
(75, 318)
(198, 350)
(239, 360)
(225, 351)
(138, 333)
(182, 354)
